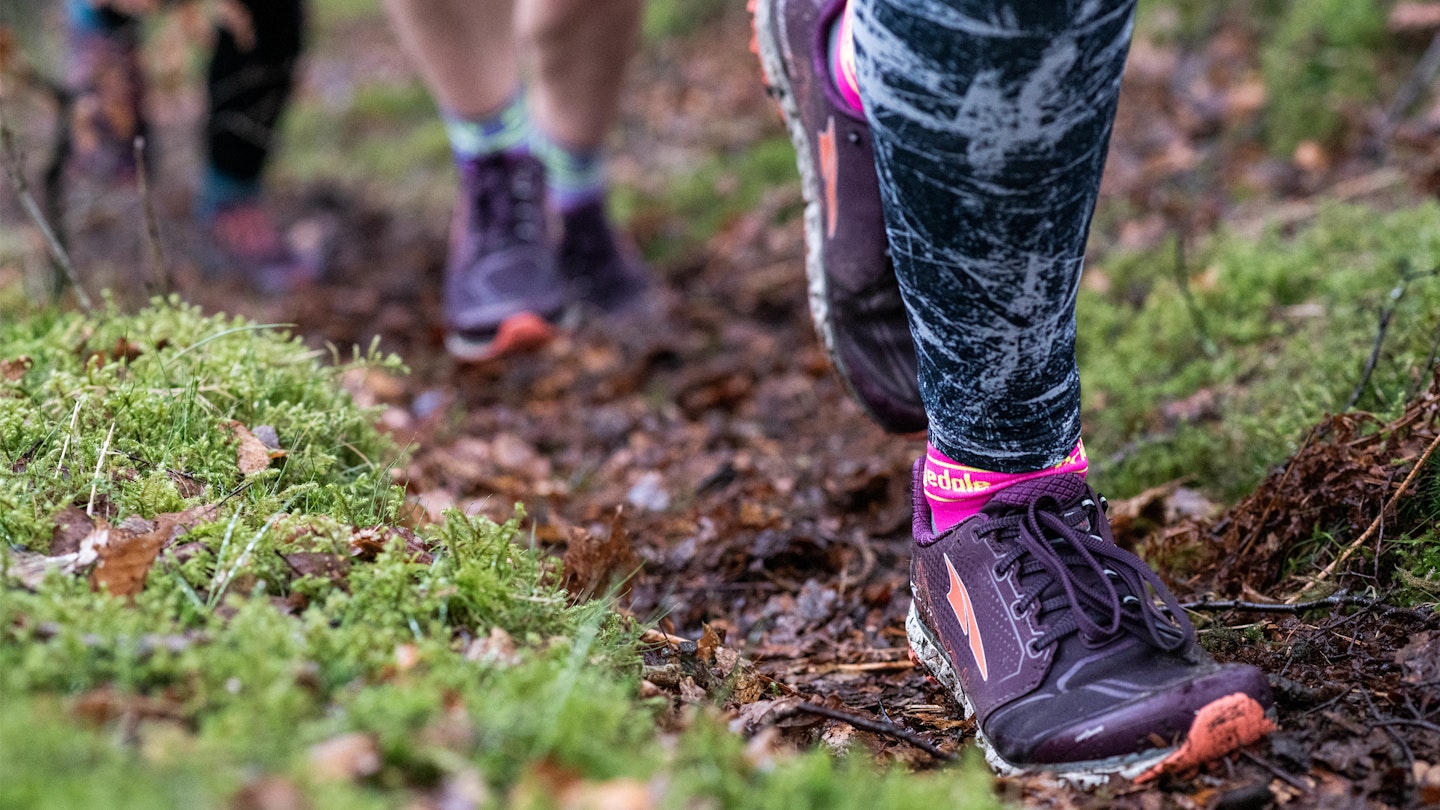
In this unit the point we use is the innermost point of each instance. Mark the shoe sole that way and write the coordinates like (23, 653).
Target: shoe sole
(772, 66)
(1220, 727)
(521, 332)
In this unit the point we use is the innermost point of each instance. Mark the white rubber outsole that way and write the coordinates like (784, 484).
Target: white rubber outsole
(773, 63)
(1080, 774)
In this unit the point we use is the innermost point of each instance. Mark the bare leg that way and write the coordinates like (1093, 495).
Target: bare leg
(578, 50)
(464, 49)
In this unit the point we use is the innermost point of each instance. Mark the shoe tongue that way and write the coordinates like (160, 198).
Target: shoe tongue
(1065, 488)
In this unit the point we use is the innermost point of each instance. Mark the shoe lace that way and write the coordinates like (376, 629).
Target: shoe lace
(508, 199)
(1082, 579)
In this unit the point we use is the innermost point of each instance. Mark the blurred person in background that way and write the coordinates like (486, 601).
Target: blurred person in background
(252, 71)
(528, 91)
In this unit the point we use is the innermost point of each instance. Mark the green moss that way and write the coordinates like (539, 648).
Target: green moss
(121, 409)
(1265, 337)
(231, 665)
(711, 196)
(1320, 63)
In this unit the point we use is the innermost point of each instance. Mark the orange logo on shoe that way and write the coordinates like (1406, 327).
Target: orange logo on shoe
(829, 172)
(959, 598)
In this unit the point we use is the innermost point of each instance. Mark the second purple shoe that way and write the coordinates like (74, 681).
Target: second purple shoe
(854, 296)
(602, 267)
(1072, 655)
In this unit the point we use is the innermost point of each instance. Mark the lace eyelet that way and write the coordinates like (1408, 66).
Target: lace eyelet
(1034, 650)
(1111, 574)
(1130, 599)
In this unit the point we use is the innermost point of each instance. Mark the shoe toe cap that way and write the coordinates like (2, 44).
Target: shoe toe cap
(1155, 720)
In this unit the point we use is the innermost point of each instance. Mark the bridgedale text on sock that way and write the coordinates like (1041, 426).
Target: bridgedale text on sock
(946, 483)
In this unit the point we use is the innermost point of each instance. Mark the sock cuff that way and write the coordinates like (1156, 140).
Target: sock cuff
(219, 190)
(85, 16)
(505, 130)
(842, 60)
(573, 176)
(956, 491)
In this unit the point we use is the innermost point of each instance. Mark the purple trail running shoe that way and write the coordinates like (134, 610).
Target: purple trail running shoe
(503, 290)
(854, 296)
(601, 267)
(248, 244)
(1051, 635)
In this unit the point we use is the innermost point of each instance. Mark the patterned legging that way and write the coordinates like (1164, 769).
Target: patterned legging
(991, 121)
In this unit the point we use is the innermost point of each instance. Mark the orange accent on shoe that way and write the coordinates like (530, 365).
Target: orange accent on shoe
(1220, 727)
(959, 598)
(522, 332)
(829, 174)
(754, 34)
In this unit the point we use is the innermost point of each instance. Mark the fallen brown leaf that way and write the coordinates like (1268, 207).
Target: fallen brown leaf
(347, 757)
(322, 564)
(593, 564)
(126, 552)
(498, 648)
(72, 526)
(708, 643)
(269, 793)
(186, 486)
(367, 543)
(15, 368)
(251, 454)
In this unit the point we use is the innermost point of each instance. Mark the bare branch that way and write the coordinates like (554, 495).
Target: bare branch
(14, 168)
(1338, 600)
(152, 227)
(873, 726)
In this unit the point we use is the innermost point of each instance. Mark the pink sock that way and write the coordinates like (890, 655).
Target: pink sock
(842, 60)
(956, 492)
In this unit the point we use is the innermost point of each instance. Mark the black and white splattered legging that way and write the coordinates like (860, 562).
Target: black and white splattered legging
(991, 121)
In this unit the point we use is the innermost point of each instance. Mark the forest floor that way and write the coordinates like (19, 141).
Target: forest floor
(706, 445)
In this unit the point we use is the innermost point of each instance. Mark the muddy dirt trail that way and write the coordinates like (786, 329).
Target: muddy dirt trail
(706, 445)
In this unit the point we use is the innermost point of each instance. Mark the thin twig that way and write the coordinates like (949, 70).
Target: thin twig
(1386, 314)
(1182, 280)
(872, 666)
(1421, 76)
(62, 143)
(1314, 433)
(1279, 774)
(152, 228)
(873, 726)
(99, 465)
(1429, 363)
(1375, 524)
(14, 168)
(1299, 607)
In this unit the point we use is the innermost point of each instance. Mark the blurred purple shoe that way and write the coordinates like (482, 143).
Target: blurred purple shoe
(854, 296)
(1073, 656)
(249, 245)
(503, 290)
(601, 267)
